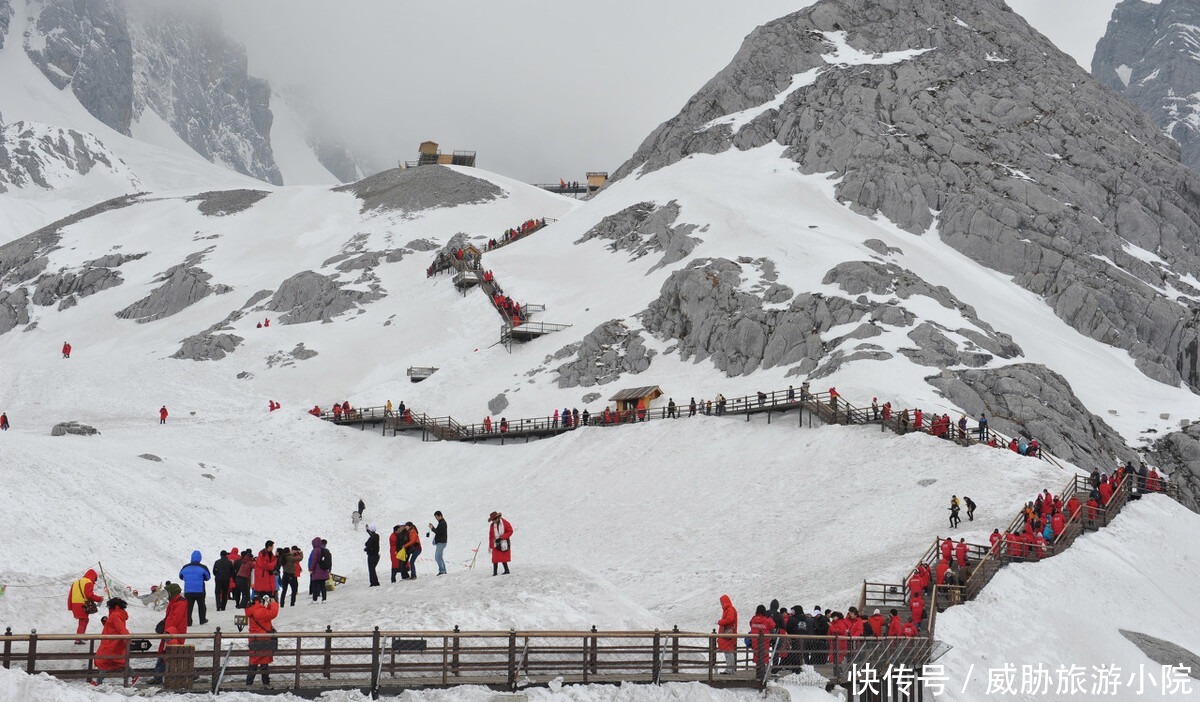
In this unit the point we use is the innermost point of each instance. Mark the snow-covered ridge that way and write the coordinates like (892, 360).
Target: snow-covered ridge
(34, 155)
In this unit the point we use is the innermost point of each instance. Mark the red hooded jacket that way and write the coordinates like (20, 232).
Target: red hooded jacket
(727, 624)
(111, 653)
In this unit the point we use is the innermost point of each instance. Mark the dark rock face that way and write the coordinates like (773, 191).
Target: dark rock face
(1034, 401)
(35, 154)
(1178, 453)
(218, 203)
(606, 353)
(1036, 171)
(646, 228)
(497, 404)
(73, 428)
(1164, 652)
(6, 13)
(182, 286)
(412, 190)
(86, 45)
(312, 297)
(1148, 55)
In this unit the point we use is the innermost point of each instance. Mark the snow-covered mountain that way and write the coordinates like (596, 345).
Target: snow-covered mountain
(1151, 55)
(159, 87)
(923, 202)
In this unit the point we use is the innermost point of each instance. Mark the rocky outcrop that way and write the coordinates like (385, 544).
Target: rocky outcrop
(182, 286)
(208, 346)
(1034, 401)
(6, 13)
(40, 155)
(66, 287)
(604, 355)
(188, 72)
(14, 309)
(312, 297)
(646, 228)
(1178, 454)
(1148, 55)
(289, 358)
(73, 428)
(497, 404)
(1164, 652)
(412, 190)
(956, 114)
(218, 203)
(86, 45)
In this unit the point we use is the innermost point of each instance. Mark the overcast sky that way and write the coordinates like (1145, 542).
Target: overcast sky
(541, 89)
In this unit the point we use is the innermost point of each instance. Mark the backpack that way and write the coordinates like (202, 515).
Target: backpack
(325, 562)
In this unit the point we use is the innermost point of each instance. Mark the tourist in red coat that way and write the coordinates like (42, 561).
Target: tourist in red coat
(995, 540)
(1015, 546)
(841, 629)
(111, 654)
(915, 583)
(960, 553)
(942, 567)
(78, 596)
(264, 570)
(174, 623)
(761, 624)
(499, 541)
(947, 549)
(728, 624)
(917, 606)
(1058, 523)
(162, 414)
(1106, 492)
(259, 616)
(909, 630)
(895, 625)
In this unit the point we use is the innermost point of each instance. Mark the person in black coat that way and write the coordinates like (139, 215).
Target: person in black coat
(222, 572)
(818, 626)
(797, 625)
(372, 549)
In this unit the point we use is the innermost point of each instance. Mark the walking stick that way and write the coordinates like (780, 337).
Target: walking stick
(472, 566)
(107, 594)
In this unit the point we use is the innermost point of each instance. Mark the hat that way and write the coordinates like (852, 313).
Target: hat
(875, 612)
(493, 516)
(173, 589)
(371, 528)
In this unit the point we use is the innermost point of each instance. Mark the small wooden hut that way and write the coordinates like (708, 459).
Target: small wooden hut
(629, 398)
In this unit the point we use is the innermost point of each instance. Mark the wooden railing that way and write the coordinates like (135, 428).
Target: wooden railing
(394, 660)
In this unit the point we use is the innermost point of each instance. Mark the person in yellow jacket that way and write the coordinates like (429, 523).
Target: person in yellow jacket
(81, 601)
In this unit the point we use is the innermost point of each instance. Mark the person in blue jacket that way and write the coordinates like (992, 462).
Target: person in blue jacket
(194, 575)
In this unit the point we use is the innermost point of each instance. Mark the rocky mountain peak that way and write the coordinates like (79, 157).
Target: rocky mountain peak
(957, 117)
(1151, 55)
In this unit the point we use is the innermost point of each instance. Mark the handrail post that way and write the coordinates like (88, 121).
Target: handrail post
(675, 649)
(375, 662)
(31, 663)
(296, 677)
(512, 660)
(455, 647)
(712, 655)
(7, 647)
(594, 652)
(216, 655)
(656, 658)
(327, 672)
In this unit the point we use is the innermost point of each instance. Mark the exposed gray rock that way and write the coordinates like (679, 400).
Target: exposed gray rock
(1029, 165)
(69, 285)
(881, 248)
(646, 228)
(218, 203)
(289, 358)
(208, 346)
(74, 428)
(591, 397)
(497, 404)
(6, 13)
(245, 375)
(1164, 652)
(1034, 401)
(186, 70)
(86, 45)
(14, 309)
(1147, 55)
(703, 308)
(607, 352)
(150, 457)
(337, 159)
(413, 190)
(1178, 453)
(39, 155)
(182, 286)
(421, 245)
(257, 298)
(368, 260)
(310, 297)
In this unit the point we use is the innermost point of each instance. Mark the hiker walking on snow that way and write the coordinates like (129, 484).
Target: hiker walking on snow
(66, 350)
(222, 573)
(194, 575)
(439, 541)
(81, 600)
(355, 519)
(500, 533)
(320, 562)
(954, 520)
(162, 415)
(3, 421)
(970, 508)
(362, 506)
